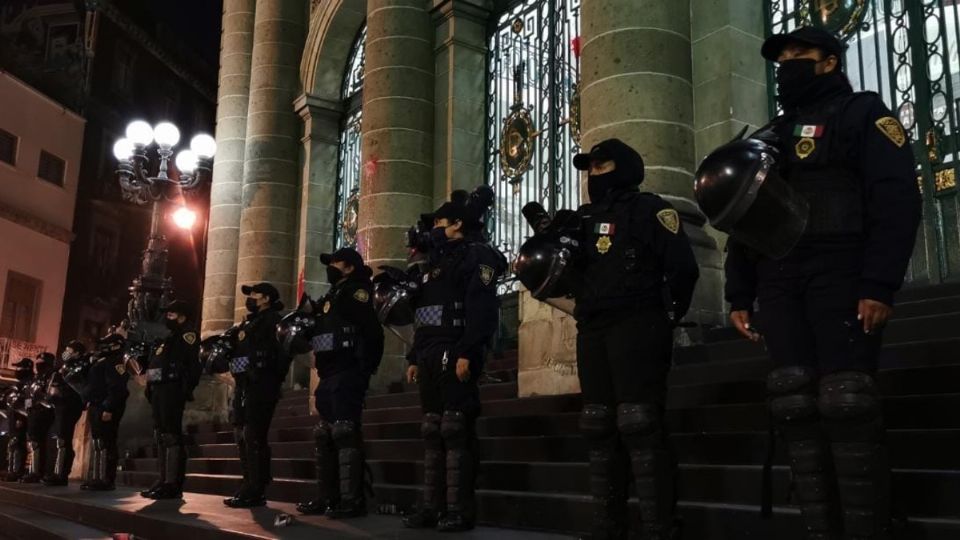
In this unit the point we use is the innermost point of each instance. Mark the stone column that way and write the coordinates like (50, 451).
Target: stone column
(272, 154)
(460, 60)
(397, 147)
(236, 44)
(729, 91)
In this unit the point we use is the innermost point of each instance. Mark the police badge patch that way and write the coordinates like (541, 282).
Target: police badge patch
(326, 306)
(669, 219)
(486, 274)
(241, 336)
(805, 147)
(120, 369)
(892, 129)
(190, 338)
(361, 295)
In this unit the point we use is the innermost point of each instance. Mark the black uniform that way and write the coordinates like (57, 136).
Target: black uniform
(347, 342)
(39, 418)
(14, 404)
(258, 367)
(107, 380)
(67, 409)
(638, 280)
(851, 159)
(173, 371)
(457, 314)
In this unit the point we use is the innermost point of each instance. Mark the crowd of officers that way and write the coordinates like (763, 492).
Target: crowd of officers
(822, 308)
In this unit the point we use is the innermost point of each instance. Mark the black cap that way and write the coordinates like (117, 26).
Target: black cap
(806, 35)
(263, 288)
(112, 338)
(77, 346)
(455, 209)
(24, 363)
(344, 254)
(179, 307)
(615, 150)
(46, 357)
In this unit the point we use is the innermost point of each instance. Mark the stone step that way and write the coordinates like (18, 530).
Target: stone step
(927, 493)
(203, 517)
(916, 449)
(25, 523)
(926, 292)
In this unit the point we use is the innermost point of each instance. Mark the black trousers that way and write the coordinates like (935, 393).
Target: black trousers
(624, 357)
(339, 396)
(39, 421)
(108, 432)
(66, 414)
(252, 412)
(167, 401)
(440, 389)
(808, 312)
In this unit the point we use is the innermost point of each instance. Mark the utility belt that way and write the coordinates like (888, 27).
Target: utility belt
(244, 364)
(440, 315)
(344, 338)
(156, 375)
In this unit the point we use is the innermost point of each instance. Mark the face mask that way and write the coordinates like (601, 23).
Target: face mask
(334, 275)
(24, 374)
(438, 236)
(172, 324)
(598, 185)
(795, 79)
(65, 356)
(251, 305)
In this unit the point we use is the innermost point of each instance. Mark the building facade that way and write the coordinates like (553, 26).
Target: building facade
(41, 142)
(340, 121)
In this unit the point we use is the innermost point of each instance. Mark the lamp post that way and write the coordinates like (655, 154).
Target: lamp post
(143, 168)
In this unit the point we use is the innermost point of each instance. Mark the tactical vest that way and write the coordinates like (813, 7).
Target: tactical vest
(619, 266)
(440, 304)
(250, 354)
(333, 333)
(813, 163)
(162, 367)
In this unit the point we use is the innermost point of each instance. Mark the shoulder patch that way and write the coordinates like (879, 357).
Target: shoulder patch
(121, 369)
(892, 129)
(669, 219)
(361, 295)
(190, 338)
(241, 336)
(486, 274)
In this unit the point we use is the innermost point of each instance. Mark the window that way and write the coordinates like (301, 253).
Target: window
(123, 60)
(51, 168)
(348, 169)
(533, 120)
(21, 301)
(8, 147)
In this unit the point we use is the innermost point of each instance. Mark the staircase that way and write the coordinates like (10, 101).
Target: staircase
(534, 473)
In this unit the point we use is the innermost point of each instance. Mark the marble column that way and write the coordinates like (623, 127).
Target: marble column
(272, 154)
(460, 64)
(236, 45)
(397, 128)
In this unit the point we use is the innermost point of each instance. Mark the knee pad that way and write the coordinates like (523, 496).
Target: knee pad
(62, 442)
(791, 394)
(849, 395)
(636, 420)
(345, 434)
(597, 421)
(453, 427)
(322, 433)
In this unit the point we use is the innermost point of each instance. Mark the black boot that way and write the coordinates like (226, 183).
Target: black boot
(105, 466)
(161, 466)
(62, 464)
(461, 464)
(433, 476)
(97, 467)
(608, 472)
(174, 470)
(258, 463)
(241, 441)
(16, 459)
(349, 441)
(850, 405)
(35, 466)
(328, 485)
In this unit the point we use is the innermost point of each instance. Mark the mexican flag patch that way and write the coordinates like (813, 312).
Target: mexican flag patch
(812, 132)
(605, 228)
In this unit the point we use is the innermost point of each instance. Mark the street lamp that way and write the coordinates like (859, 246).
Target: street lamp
(184, 218)
(143, 168)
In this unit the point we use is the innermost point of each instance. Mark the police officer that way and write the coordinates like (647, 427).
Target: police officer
(258, 367)
(823, 306)
(173, 371)
(39, 417)
(67, 408)
(15, 399)
(639, 274)
(106, 403)
(457, 315)
(347, 342)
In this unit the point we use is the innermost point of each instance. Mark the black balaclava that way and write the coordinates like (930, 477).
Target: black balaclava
(798, 83)
(629, 171)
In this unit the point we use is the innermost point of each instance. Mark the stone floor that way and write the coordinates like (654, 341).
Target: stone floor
(200, 516)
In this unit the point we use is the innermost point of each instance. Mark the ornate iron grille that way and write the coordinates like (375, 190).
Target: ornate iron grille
(348, 167)
(534, 65)
(906, 51)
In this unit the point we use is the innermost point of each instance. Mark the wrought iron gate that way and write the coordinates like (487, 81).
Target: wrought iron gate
(907, 51)
(532, 115)
(348, 166)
